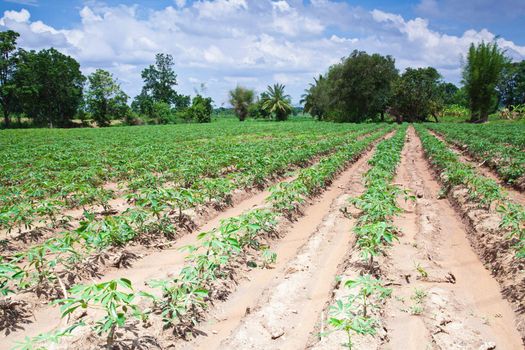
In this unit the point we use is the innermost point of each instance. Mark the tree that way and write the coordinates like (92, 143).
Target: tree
(161, 113)
(360, 86)
(256, 110)
(417, 94)
(201, 109)
(8, 62)
(315, 99)
(481, 75)
(356, 89)
(49, 85)
(241, 98)
(159, 79)
(277, 102)
(105, 100)
(449, 92)
(512, 85)
(142, 104)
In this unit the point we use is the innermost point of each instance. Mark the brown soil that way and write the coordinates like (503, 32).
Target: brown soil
(157, 264)
(461, 305)
(515, 191)
(277, 308)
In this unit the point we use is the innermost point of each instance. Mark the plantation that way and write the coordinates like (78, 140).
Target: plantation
(172, 178)
(110, 237)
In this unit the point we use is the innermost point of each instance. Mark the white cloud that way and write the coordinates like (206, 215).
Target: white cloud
(251, 42)
(219, 8)
(17, 16)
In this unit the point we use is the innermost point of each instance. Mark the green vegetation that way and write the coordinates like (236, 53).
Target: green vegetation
(501, 147)
(351, 314)
(378, 204)
(241, 100)
(481, 75)
(357, 89)
(482, 190)
(181, 300)
(417, 94)
(104, 98)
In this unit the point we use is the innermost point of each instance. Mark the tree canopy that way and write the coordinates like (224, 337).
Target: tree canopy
(356, 89)
(277, 102)
(104, 98)
(8, 62)
(481, 75)
(418, 94)
(241, 98)
(512, 85)
(49, 86)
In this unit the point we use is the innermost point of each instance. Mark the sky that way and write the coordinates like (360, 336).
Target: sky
(218, 44)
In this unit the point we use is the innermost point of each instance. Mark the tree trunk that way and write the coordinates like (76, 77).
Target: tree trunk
(6, 118)
(484, 117)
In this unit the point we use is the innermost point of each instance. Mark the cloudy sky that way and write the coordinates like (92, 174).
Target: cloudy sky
(254, 43)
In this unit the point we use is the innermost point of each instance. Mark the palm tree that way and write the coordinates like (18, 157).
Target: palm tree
(241, 98)
(277, 102)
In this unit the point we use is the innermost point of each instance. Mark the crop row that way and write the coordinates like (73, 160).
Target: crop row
(248, 164)
(482, 190)
(181, 301)
(354, 313)
(69, 255)
(502, 147)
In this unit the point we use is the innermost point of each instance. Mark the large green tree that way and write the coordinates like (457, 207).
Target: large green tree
(105, 99)
(160, 81)
(8, 62)
(417, 94)
(356, 89)
(277, 102)
(49, 85)
(241, 99)
(512, 84)
(481, 75)
(201, 109)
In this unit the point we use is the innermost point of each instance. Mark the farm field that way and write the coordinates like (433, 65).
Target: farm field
(263, 235)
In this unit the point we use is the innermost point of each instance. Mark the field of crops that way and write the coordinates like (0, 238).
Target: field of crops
(263, 235)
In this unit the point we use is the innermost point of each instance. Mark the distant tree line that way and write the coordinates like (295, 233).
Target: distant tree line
(368, 87)
(48, 88)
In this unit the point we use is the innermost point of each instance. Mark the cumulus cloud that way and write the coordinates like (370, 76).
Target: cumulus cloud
(255, 43)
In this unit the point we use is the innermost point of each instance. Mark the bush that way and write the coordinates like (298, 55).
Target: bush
(161, 113)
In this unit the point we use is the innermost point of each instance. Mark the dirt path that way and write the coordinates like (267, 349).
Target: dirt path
(442, 292)
(284, 303)
(514, 194)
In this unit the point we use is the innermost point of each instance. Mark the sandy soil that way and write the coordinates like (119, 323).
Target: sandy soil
(462, 306)
(285, 307)
(514, 194)
(444, 297)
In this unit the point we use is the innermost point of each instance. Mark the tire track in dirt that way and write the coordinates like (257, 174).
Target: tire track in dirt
(442, 292)
(296, 292)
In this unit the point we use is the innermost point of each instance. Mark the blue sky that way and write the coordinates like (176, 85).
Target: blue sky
(217, 44)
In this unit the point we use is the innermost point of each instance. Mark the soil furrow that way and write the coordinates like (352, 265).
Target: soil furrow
(156, 265)
(483, 169)
(289, 306)
(442, 292)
